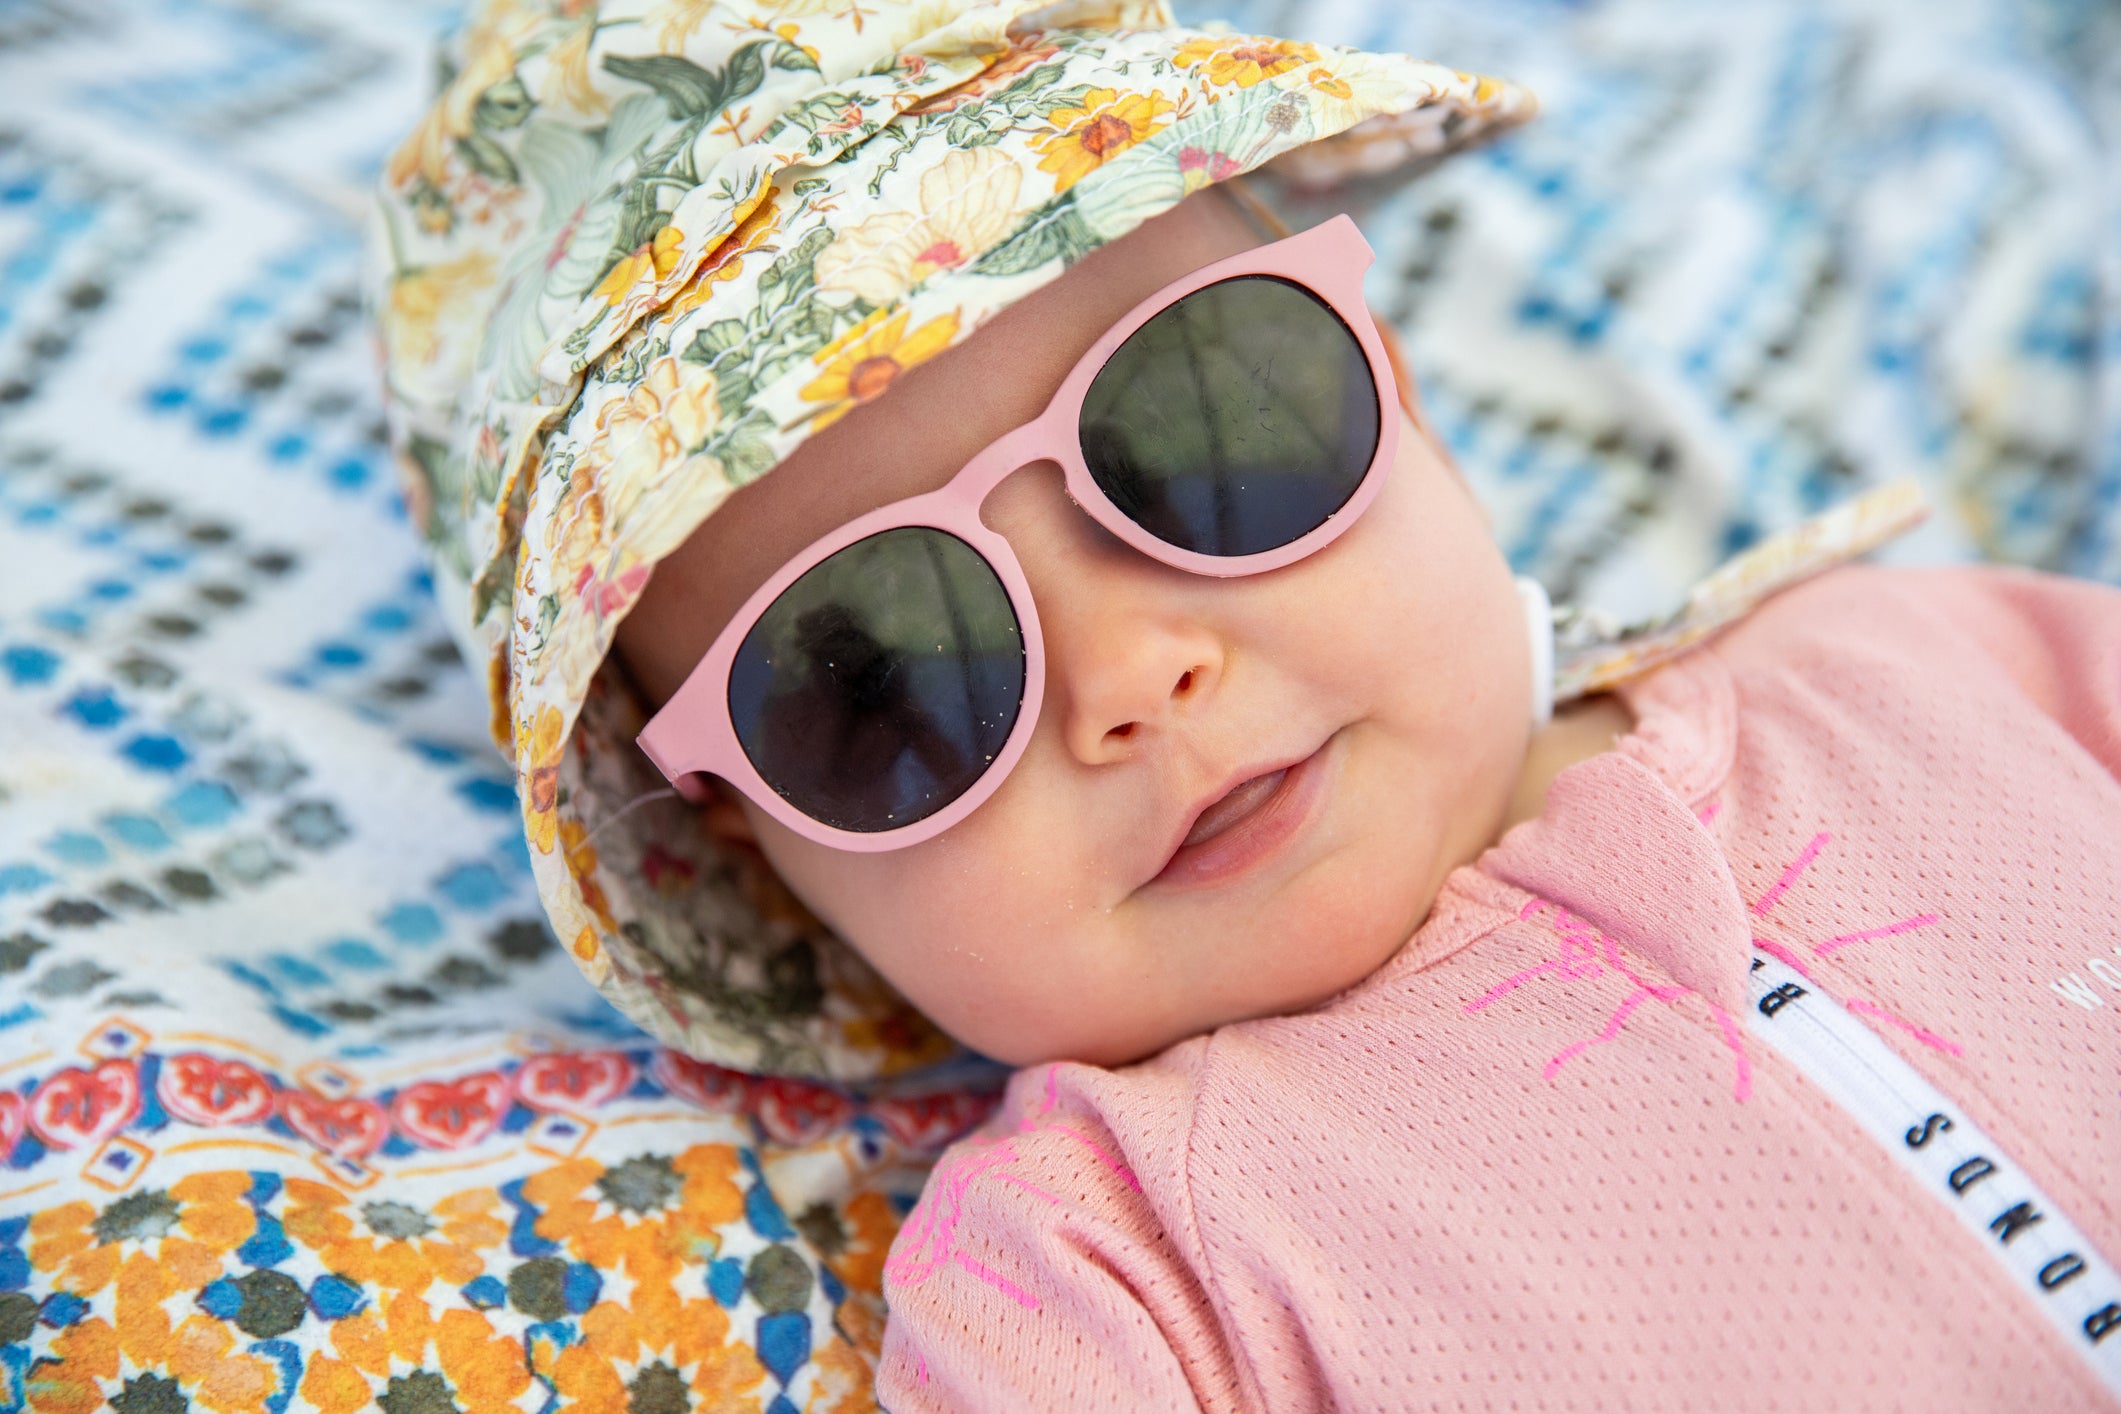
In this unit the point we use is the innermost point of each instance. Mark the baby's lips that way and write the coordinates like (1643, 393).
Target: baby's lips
(1241, 800)
(1228, 830)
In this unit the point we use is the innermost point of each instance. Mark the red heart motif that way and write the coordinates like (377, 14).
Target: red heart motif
(349, 1128)
(13, 1121)
(930, 1122)
(573, 1081)
(796, 1113)
(712, 1087)
(203, 1090)
(451, 1114)
(76, 1107)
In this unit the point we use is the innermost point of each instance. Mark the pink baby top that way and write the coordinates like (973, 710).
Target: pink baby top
(1777, 1065)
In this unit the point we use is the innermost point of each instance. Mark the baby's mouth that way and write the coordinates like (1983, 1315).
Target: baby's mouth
(1248, 823)
(1242, 800)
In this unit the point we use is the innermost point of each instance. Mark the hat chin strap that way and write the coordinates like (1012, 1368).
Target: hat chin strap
(1539, 628)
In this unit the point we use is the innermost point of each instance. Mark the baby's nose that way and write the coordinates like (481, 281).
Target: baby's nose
(1119, 679)
(1129, 652)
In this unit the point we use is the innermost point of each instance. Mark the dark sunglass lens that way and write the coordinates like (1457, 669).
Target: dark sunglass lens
(1237, 420)
(882, 684)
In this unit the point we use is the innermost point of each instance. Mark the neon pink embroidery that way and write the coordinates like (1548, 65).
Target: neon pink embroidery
(1612, 1027)
(1708, 813)
(1028, 1186)
(932, 1226)
(1835, 944)
(920, 1368)
(928, 1242)
(1052, 1099)
(1586, 953)
(996, 1280)
(1789, 875)
(1786, 957)
(1920, 920)
(1571, 968)
(1742, 1087)
(1927, 1038)
(1578, 958)
(1126, 1174)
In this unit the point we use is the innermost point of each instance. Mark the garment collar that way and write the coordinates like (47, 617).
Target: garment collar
(1625, 844)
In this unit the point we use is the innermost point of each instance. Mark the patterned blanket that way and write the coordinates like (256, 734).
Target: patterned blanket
(302, 1106)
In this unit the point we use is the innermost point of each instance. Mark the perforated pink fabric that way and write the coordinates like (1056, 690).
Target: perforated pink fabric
(1537, 1162)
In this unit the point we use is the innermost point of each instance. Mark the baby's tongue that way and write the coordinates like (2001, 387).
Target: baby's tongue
(1235, 806)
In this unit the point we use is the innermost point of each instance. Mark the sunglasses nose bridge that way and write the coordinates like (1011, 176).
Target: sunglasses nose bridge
(1002, 458)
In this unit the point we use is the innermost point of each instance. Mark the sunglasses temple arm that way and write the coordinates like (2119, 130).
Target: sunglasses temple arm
(688, 783)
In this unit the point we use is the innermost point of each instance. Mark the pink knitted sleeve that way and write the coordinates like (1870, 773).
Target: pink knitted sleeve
(2059, 639)
(1036, 1274)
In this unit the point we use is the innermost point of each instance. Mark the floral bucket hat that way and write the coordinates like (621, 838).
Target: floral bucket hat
(636, 253)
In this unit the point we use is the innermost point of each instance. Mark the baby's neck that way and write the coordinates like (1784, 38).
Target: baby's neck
(1578, 732)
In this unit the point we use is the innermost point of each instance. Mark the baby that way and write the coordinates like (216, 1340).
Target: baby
(1134, 684)
(1458, 1083)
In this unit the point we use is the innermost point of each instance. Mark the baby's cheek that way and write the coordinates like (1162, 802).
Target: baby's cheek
(946, 934)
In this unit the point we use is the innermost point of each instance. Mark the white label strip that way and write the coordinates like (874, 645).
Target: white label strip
(1932, 1139)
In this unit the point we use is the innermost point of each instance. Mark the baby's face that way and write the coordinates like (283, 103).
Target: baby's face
(1388, 673)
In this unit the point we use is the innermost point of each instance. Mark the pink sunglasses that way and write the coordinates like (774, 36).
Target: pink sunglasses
(879, 687)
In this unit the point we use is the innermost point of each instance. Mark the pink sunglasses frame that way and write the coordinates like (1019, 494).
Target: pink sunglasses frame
(693, 733)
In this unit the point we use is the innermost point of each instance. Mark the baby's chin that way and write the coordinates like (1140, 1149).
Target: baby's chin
(1108, 1045)
(1284, 967)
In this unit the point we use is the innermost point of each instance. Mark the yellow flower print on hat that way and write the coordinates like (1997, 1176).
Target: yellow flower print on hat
(967, 202)
(659, 254)
(861, 363)
(668, 413)
(1101, 128)
(727, 262)
(417, 299)
(806, 9)
(577, 535)
(1243, 60)
(1343, 94)
(1025, 52)
(490, 51)
(1485, 89)
(568, 81)
(582, 862)
(658, 421)
(540, 749)
(1329, 83)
